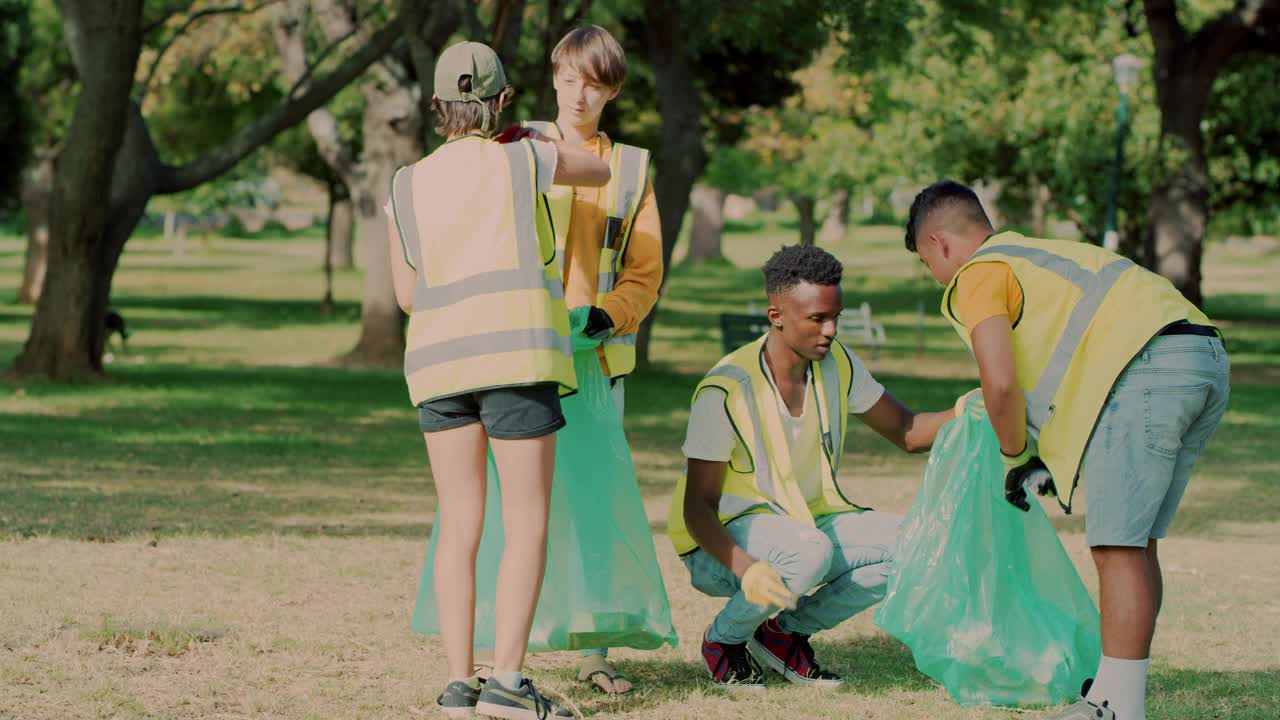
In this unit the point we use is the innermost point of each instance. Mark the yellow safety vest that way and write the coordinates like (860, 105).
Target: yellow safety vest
(488, 302)
(629, 168)
(759, 476)
(1086, 313)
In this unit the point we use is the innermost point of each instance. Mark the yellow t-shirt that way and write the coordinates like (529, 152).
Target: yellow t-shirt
(985, 290)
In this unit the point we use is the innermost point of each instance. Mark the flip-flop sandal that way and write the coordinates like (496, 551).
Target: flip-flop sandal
(588, 675)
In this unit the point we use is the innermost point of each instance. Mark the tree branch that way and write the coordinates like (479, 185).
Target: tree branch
(301, 82)
(289, 112)
(507, 22)
(1232, 32)
(1167, 33)
(165, 15)
(192, 20)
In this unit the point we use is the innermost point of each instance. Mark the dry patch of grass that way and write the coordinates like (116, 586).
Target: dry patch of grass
(290, 627)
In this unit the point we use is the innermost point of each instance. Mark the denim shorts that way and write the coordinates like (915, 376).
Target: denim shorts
(508, 413)
(1158, 417)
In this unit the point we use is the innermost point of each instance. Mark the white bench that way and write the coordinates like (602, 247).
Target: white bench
(855, 328)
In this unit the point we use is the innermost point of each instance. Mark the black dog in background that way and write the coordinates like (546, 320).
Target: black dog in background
(114, 323)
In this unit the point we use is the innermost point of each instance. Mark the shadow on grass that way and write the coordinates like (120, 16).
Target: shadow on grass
(176, 450)
(199, 312)
(203, 312)
(872, 665)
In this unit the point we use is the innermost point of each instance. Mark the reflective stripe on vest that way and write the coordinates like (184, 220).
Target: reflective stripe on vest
(1086, 314)
(629, 178)
(1094, 288)
(759, 476)
(534, 273)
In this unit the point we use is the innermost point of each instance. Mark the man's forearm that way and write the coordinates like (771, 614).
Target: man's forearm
(924, 428)
(704, 525)
(1008, 414)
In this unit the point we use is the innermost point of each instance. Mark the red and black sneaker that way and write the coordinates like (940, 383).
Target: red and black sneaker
(791, 656)
(731, 666)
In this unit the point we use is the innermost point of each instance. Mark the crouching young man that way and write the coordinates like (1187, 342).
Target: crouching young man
(758, 517)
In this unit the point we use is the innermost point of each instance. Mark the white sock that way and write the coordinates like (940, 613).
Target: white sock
(1122, 684)
(508, 679)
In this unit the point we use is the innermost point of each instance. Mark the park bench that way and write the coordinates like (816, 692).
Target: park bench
(855, 329)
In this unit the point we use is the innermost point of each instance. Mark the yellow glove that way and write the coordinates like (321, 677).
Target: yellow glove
(964, 400)
(1015, 461)
(764, 587)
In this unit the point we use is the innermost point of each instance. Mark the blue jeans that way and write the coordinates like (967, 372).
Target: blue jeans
(846, 557)
(1161, 412)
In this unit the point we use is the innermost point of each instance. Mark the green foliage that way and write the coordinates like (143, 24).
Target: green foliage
(15, 114)
(733, 171)
(1041, 114)
(1242, 140)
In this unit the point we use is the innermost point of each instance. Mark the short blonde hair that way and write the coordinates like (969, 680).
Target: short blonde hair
(455, 117)
(592, 51)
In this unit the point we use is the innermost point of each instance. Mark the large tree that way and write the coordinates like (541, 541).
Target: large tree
(709, 57)
(390, 137)
(1186, 66)
(1027, 100)
(109, 169)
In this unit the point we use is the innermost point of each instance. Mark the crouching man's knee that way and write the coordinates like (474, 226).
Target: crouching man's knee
(804, 560)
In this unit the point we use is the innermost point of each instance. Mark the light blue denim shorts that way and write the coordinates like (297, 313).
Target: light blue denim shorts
(1158, 417)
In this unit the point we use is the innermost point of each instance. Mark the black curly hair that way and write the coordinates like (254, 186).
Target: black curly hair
(943, 195)
(794, 264)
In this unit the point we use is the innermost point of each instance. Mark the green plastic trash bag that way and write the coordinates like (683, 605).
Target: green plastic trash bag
(602, 587)
(983, 593)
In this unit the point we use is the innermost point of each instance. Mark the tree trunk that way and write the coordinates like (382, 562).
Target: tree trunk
(37, 194)
(109, 170)
(1178, 211)
(340, 227)
(391, 132)
(67, 329)
(428, 25)
(1041, 196)
(707, 225)
(680, 159)
(806, 209)
(1184, 70)
(836, 224)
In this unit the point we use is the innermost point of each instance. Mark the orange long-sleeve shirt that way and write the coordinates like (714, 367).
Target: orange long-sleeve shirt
(636, 289)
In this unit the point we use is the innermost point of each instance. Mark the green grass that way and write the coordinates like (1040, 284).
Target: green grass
(223, 419)
(225, 428)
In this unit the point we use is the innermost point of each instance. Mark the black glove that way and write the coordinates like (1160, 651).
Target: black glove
(599, 324)
(1033, 473)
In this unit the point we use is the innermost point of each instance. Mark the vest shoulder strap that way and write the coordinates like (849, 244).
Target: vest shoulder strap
(543, 127)
(630, 167)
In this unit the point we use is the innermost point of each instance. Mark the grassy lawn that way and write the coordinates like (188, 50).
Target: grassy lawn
(229, 527)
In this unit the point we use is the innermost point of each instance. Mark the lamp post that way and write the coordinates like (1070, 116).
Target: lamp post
(1126, 69)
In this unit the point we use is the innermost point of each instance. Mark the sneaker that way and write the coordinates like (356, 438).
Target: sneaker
(522, 703)
(791, 656)
(731, 666)
(459, 700)
(1082, 709)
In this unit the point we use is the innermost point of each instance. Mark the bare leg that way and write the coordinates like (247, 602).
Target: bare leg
(526, 468)
(1130, 600)
(458, 464)
(1153, 565)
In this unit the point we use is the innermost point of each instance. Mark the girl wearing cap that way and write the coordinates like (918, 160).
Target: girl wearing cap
(488, 355)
